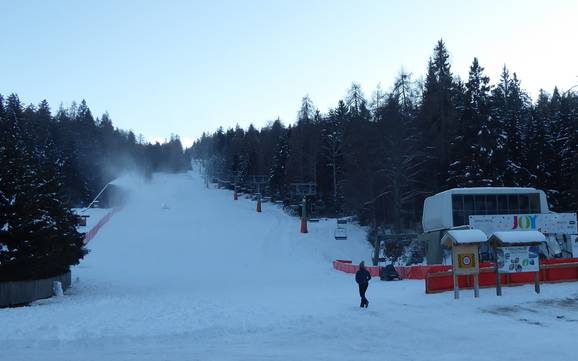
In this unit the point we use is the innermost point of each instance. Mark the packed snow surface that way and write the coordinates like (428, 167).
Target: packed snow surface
(186, 273)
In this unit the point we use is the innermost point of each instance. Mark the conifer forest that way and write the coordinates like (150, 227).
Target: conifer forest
(379, 156)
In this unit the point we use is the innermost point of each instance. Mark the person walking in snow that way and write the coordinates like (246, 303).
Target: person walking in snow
(362, 278)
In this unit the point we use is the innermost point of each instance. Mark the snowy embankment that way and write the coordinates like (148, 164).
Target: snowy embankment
(210, 279)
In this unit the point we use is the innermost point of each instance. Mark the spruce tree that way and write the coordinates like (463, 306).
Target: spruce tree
(438, 117)
(400, 153)
(278, 172)
(511, 114)
(475, 146)
(569, 153)
(537, 151)
(38, 237)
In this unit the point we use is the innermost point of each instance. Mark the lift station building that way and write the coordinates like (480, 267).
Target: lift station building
(491, 209)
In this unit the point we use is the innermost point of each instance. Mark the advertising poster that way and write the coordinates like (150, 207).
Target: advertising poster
(465, 259)
(549, 223)
(518, 259)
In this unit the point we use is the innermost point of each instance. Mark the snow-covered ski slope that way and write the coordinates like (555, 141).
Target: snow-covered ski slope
(210, 279)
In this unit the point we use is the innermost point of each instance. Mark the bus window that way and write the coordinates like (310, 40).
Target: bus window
(491, 204)
(468, 203)
(480, 204)
(457, 202)
(534, 203)
(513, 204)
(524, 203)
(503, 204)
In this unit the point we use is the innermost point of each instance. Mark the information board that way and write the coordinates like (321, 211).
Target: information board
(548, 223)
(465, 259)
(518, 259)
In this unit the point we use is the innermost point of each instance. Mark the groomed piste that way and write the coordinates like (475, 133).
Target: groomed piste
(186, 273)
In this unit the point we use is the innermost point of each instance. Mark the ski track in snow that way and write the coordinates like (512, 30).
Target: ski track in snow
(210, 279)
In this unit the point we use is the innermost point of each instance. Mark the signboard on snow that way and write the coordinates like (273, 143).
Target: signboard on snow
(548, 223)
(518, 259)
(465, 259)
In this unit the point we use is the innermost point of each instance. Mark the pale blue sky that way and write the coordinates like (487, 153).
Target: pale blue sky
(184, 67)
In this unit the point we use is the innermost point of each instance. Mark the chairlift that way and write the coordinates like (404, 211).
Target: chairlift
(299, 190)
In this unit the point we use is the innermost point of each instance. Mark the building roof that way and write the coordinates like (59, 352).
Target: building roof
(489, 190)
(463, 236)
(515, 237)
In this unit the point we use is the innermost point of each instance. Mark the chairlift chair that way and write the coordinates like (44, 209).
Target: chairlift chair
(340, 232)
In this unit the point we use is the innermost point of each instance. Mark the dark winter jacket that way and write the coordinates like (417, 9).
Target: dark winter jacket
(362, 276)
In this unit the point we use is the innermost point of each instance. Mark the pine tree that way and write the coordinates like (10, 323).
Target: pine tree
(475, 145)
(556, 138)
(569, 154)
(278, 172)
(307, 112)
(400, 151)
(511, 113)
(38, 237)
(438, 116)
(333, 146)
(355, 99)
(303, 145)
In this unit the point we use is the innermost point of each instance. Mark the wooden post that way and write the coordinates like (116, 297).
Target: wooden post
(376, 242)
(456, 285)
(476, 286)
(537, 282)
(498, 282)
(376, 248)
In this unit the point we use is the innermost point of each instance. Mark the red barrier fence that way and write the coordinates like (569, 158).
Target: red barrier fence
(419, 272)
(551, 271)
(92, 233)
(348, 267)
(439, 278)
(405, 272)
